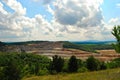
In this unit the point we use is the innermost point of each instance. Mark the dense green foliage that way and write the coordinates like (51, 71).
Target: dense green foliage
(14, 66)
(56, 64)
(87, 47)
(114, 63)
(11, 72)
(93, 64)
(73, 64)
(116, 34)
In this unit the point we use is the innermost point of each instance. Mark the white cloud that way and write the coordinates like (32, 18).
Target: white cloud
(16, 6)
(72, 20)
(80, 13)
(2, 10)
(50, 10)
(118, 5)
(114, 21)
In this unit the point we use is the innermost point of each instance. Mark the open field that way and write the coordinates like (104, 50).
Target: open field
(113, 74)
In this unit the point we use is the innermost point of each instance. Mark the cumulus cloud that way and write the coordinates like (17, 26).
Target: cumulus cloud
(80, 13)
(73, 15)
(17, 25)
(72, 20)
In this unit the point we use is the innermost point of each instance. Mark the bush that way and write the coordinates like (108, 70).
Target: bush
(114, 63)
(82, 69)
(43, 72)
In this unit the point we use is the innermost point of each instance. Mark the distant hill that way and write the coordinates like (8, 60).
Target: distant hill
(75, 42)
(31, 46)
(88, 46)
(93, 42)
(24, 43)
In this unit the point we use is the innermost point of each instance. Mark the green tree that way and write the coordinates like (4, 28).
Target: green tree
(92, 64)
(73, 64)
(57, 64)
(116, 34)
(11, 72)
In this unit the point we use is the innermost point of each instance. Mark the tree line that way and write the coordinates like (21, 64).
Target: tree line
(14, 66)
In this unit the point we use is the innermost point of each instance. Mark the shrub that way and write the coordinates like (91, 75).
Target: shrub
(82, 69)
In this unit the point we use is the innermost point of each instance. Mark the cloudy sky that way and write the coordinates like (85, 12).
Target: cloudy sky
(73, 20)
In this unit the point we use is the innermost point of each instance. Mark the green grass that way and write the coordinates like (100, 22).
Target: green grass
(113, 74)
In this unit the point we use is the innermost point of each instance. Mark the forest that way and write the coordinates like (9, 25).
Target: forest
(15, 66)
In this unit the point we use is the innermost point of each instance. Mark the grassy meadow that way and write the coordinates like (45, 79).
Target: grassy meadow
(111, 74)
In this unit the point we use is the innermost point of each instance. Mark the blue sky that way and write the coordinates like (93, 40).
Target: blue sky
(58, 20)
(36, 7)
(110, 9)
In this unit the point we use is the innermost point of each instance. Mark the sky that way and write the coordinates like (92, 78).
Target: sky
(58, 20)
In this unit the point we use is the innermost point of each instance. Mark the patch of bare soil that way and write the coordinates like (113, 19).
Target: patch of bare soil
(103, 55)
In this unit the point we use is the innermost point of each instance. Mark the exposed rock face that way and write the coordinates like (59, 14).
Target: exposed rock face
(31, 47)
(56, 48)
(46, 45)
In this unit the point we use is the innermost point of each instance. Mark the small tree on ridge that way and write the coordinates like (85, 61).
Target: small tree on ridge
(116, 34)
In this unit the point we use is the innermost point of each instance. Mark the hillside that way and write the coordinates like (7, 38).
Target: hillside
(88, 46)
(64, 49)
(112, 74)
(32, 46)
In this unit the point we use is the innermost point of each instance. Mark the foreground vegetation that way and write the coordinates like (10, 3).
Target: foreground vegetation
(15, 66)
(113, 74)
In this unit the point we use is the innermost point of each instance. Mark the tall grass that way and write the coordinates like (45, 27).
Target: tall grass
(113, 74)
